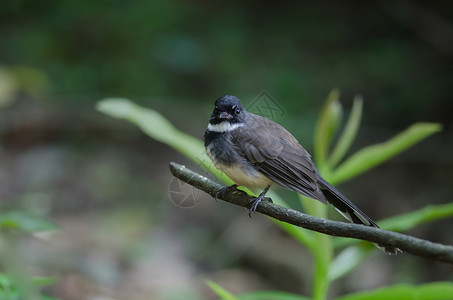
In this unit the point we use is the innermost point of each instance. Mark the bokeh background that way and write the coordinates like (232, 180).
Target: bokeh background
(105, 184)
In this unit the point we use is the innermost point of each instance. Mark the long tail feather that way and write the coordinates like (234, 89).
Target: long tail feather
(349, 210)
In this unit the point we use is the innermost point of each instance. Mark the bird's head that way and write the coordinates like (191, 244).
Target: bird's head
(228, 109)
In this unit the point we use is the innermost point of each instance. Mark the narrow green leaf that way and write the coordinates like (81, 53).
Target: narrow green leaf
(346, 261)
(8, 291)
(17, 274)
(349, 133)
(326, 126)
(19, 220)
(271, 295)
(374, 155)
(429, 291)
(321, 249)
(220, 291)
(153, 124)
(303, 236)
(159, 128)
(409, 220)
(5, 282)
(43, 281)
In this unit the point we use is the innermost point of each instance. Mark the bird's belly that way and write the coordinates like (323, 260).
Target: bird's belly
(251, 179)
(241, 175)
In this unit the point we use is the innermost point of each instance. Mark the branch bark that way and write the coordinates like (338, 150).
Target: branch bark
(404, 242)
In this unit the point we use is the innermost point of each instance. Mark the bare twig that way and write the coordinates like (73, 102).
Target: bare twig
(404, 242)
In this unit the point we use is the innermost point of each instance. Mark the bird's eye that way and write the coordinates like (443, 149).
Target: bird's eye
(236, 109)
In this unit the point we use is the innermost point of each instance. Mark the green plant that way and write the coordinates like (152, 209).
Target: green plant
(11, 291)
(16, 283)
(327, 266)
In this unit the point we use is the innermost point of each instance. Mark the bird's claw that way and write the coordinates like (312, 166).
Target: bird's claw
(255, 201)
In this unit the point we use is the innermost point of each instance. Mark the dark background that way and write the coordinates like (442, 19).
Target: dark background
(105, 184)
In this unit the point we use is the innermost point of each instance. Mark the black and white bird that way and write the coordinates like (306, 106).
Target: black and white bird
(256, 152)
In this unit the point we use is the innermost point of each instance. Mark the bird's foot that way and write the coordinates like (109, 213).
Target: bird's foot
(223, 190)
(257, 200)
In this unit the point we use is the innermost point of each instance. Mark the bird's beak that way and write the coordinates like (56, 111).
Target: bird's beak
(224, 116)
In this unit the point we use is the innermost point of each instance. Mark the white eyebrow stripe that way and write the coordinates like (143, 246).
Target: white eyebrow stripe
(224, 126)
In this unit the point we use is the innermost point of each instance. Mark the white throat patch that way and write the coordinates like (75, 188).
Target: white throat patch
(224, 126)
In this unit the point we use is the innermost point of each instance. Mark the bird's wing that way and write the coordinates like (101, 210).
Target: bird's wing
(277, 154)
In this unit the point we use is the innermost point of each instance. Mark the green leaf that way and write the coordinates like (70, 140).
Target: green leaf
(321, 249)
(274, 295)
(349, 133)
(374, 155)
(156, 126)
(328, 123)
(220, 291)
(409, 220)
(5, 283)
(44, 280)
(153, 124)
(303, 236)
(9, 291)
(346, 261)
(19, 220)
(429, 291)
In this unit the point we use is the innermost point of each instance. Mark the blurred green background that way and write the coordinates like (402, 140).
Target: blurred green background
(105, 184)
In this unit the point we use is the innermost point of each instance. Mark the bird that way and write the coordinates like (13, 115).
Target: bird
(256, 153)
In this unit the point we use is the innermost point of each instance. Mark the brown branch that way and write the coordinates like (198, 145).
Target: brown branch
(404, 242)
